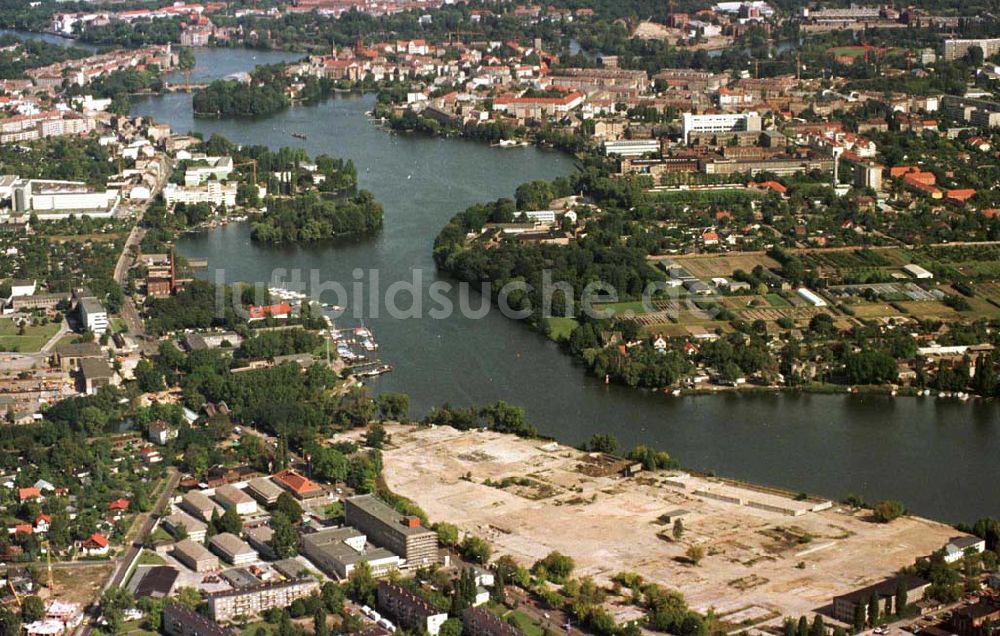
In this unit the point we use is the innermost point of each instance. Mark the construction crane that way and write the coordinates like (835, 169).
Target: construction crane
(48, 565)
(13, 590)
(252, 162)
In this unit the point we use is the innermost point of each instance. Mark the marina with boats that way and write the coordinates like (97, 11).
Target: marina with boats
(355, 346)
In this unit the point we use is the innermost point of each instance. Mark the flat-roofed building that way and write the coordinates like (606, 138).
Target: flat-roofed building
(195, 556)
(250, 601)
(194, 529)
(199, 505)
(264, 490)
(93, 315)
(339, 550)
(233, 549)
(232, 497)
(720, 123)
(61, 199)
(385, 527)
(178, 620)
(884, 594)
(37, 301)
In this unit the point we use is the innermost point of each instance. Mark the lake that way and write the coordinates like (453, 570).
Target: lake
(938, 457)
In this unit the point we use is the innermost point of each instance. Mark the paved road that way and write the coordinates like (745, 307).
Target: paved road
(123, 564)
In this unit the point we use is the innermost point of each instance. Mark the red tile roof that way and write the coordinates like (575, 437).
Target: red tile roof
(118, 504)
(295, 482)
(24, 494)
(96, 540)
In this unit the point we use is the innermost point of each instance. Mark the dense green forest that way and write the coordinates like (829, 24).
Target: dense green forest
(264, 94)
(32, 54)
(310, 217)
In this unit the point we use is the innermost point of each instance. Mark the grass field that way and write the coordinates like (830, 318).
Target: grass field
(524, 623)
(617, 309)
(720, 265)
(560, 328)
(32, 340)
(776, 300)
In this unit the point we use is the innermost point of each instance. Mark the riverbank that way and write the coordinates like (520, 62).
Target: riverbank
(768, 554)
(869, 445)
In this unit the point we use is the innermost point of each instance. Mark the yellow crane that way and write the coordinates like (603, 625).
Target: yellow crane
(48, 564)
(252, 162)
(10, 584)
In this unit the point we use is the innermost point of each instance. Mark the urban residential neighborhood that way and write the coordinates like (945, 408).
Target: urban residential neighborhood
(445, 317)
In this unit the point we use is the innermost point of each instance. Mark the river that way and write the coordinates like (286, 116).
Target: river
(939, 457)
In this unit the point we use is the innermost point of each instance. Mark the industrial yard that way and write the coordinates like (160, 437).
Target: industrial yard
(766, 554)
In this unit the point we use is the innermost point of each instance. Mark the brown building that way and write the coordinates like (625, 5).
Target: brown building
(180, 621)
(408, 609)
(972, 620)
(482, 622)
(884, 593)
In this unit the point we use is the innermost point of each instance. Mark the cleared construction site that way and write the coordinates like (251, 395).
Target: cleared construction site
(766, 554)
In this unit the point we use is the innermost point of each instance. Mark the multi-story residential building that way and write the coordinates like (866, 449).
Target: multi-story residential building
(408, 609)
(212, 192)
(482, 622)
(178, 620)
(389, 529)
(957, 48)
(250, 601)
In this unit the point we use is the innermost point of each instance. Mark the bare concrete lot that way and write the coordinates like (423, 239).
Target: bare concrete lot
(767, 555)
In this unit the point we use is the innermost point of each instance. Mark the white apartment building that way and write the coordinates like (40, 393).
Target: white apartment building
(721, 123)
(93, 315)
(212, 192)
(60, 199)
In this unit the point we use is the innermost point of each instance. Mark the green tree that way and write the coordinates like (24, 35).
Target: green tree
(678, 530)
(475, 549)
(32, 609)
(695, 554)
(803, 627)
(818, 628)
(394, 406)
(603, 443)
(447, 533)
(858, 624)
(888, 510)
(284, 540)
(286, 505)
(557, 566)
(873, 611)
(376, 436)
(361, 585)
(900, 602)
(230, 522)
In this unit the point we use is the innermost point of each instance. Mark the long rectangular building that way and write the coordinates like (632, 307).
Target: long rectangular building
(250, 601)
(385, 527)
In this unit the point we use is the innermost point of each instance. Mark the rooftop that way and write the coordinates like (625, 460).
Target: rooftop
(387, 515)
(231, 544)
